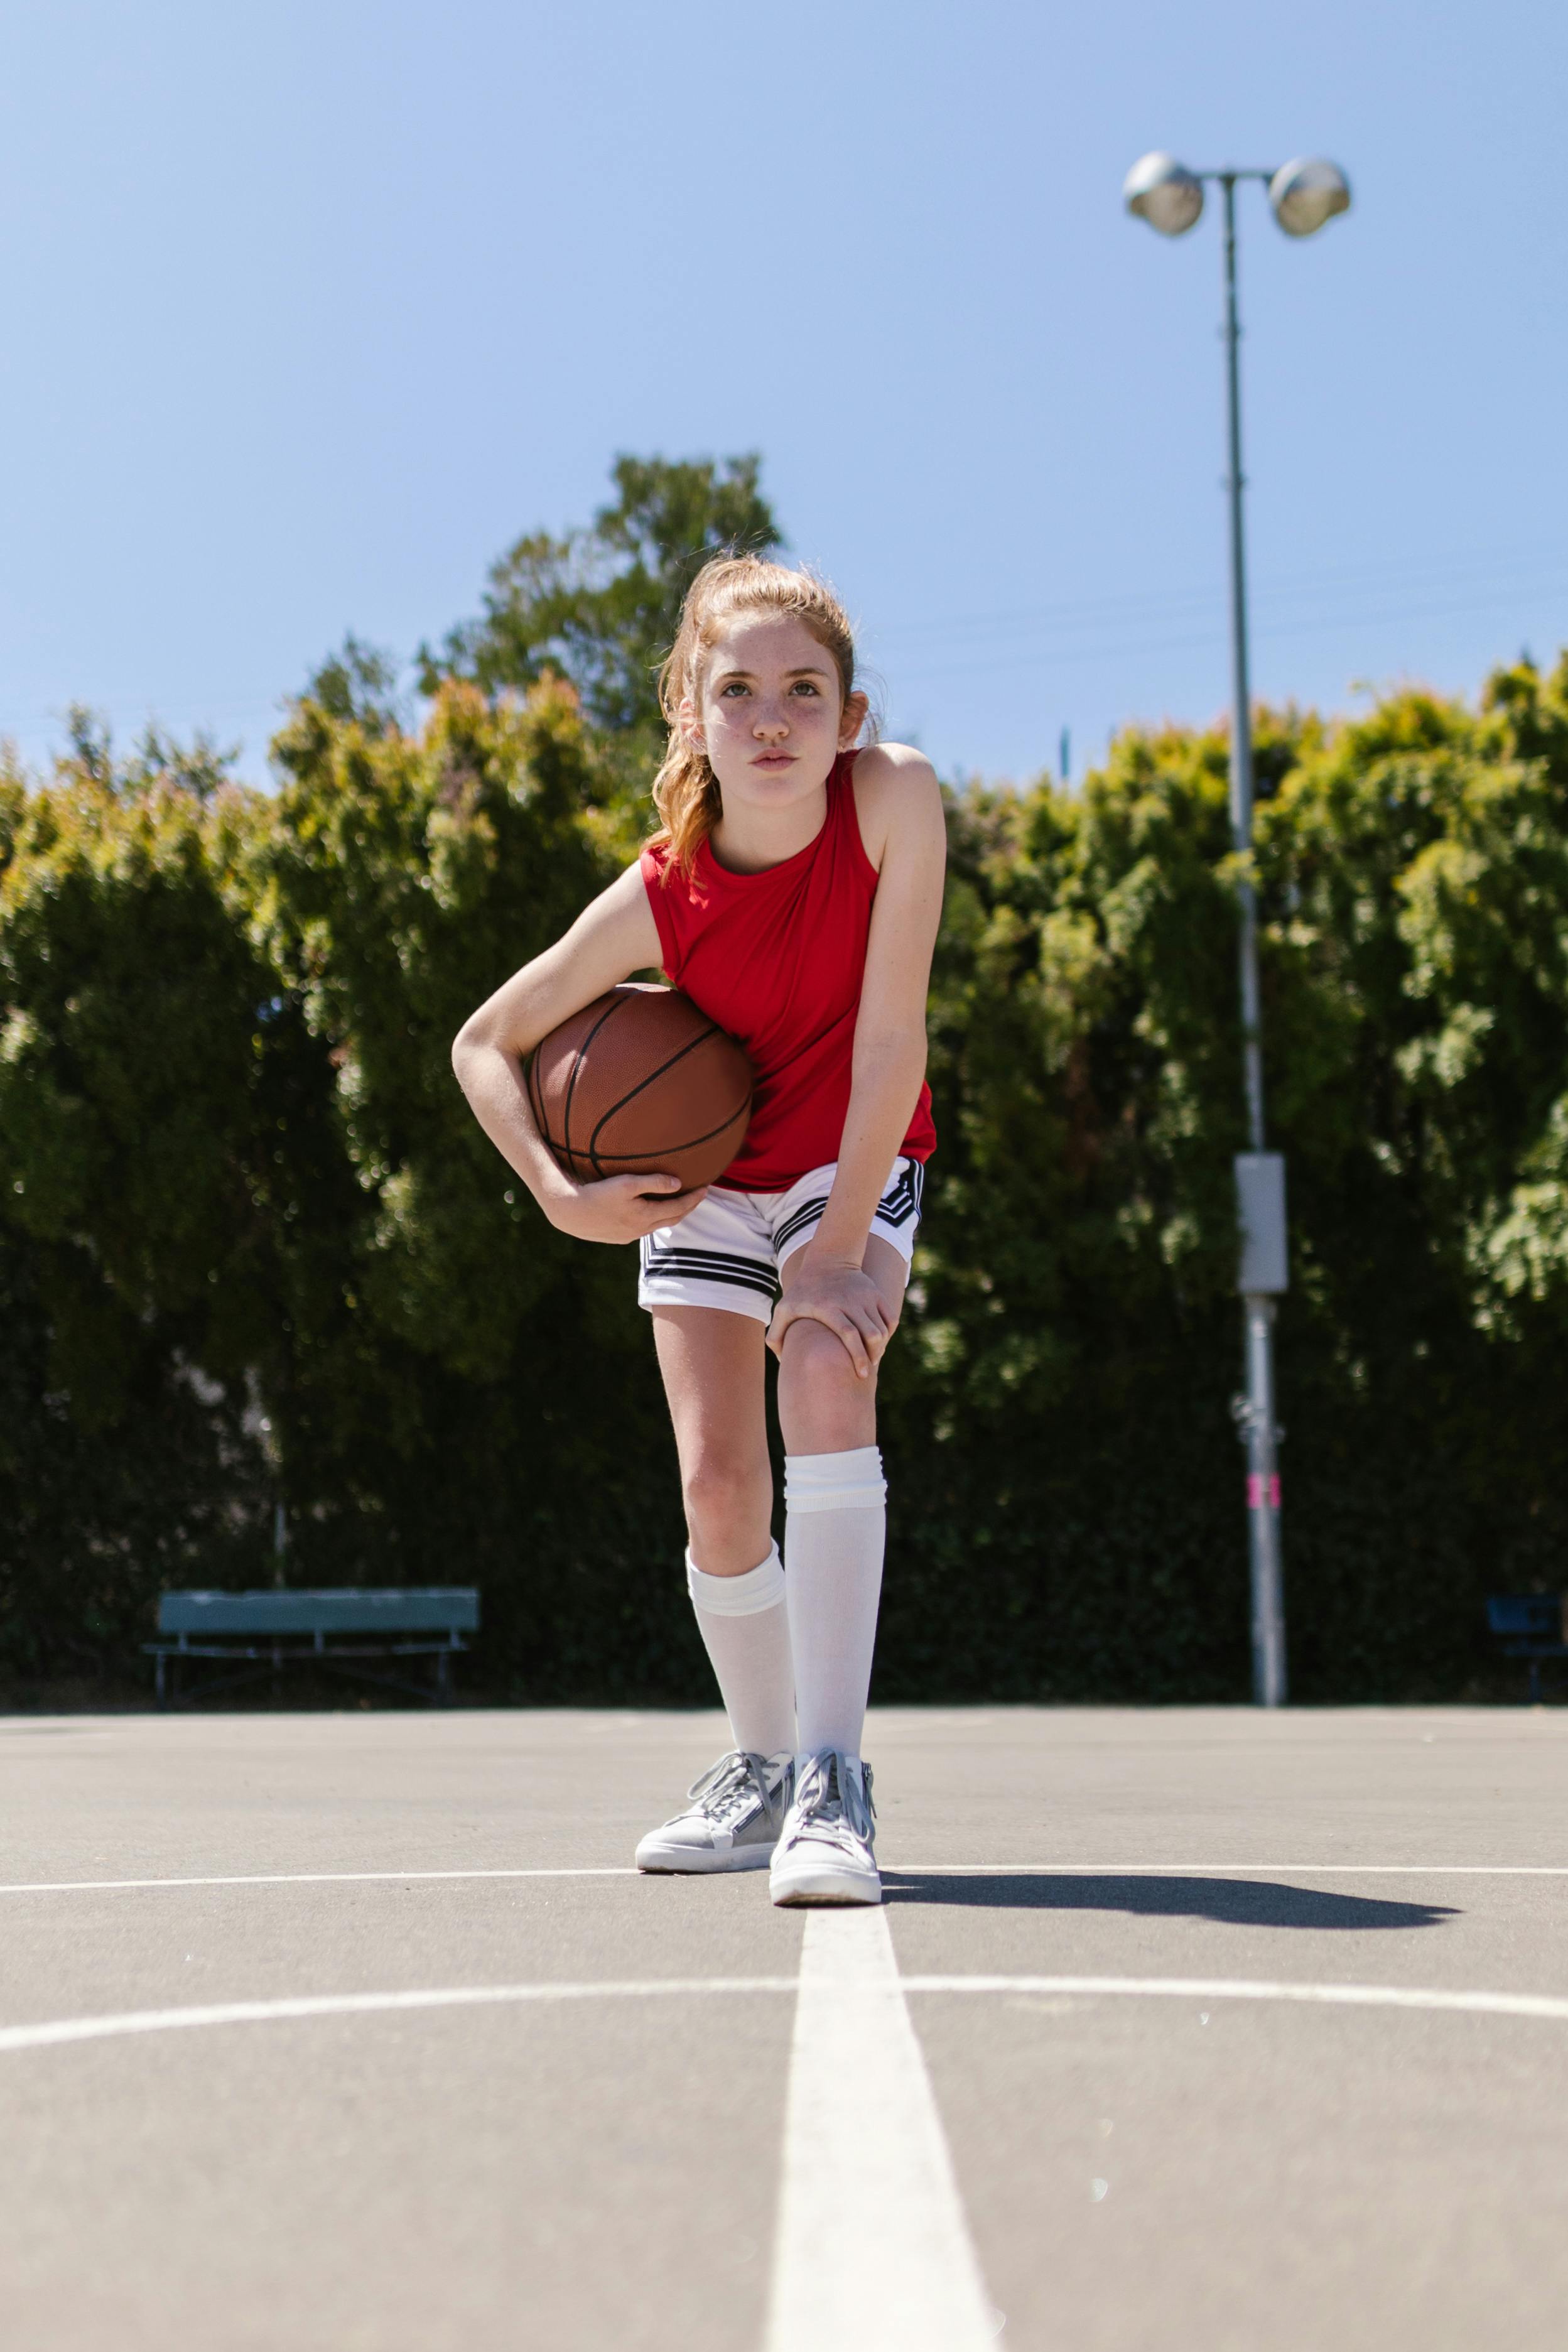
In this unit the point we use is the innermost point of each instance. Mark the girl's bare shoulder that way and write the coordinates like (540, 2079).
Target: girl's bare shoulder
(896, 793)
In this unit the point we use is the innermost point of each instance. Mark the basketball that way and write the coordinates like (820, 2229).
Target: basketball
(639, 1083)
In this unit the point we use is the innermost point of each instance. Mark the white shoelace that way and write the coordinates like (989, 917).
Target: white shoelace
(833, 1804)
(726, 1789)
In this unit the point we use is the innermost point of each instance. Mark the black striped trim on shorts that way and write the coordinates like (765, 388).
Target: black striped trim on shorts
(808, 1213)
(709, 1265)
(901, 1203)
(897, 1206)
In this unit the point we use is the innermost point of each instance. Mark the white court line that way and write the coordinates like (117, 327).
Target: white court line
(873, 2250)
(904, 1869)
(50, 2032)
(300, 1878)
(1209, 1869)
(1548, 2006)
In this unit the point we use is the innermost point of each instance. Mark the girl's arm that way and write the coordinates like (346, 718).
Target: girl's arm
(899, 804)
(612, 939)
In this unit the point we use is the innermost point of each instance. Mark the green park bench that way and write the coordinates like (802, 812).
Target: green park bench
(259, 1634)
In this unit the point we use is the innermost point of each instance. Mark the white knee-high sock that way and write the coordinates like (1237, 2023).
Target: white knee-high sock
(834, 1531)
(745, 1629)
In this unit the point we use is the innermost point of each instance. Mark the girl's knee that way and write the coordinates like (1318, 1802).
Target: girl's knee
(812, 1352)
(825, 1404)
(721, 1487)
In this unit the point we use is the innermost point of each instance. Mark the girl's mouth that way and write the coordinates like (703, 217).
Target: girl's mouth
(774, 760)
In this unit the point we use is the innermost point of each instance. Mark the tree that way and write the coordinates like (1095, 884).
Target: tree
(1060, 1424)
(140, 1079)
(251, 1239)
(459, 1374)
(600, 607)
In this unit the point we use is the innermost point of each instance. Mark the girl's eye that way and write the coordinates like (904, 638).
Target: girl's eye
(736, 687)
(804, 686)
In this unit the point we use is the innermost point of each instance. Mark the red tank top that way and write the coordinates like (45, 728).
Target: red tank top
(777, 959)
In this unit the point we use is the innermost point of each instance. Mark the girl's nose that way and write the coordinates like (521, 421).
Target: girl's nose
(771, 722)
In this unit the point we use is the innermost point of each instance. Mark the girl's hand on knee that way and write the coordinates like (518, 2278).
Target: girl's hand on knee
(847, 1302)
(620, 1208)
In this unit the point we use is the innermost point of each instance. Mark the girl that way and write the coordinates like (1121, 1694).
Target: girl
(793, 892)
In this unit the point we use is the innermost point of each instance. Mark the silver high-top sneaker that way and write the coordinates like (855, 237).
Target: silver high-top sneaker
(824, 1850)
(731, 1821)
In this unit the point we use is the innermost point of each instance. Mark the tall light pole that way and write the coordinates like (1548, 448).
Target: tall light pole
(1305, 196)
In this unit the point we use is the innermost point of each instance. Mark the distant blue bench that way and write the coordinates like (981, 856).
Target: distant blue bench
(324, 1628)
(1529, 1625)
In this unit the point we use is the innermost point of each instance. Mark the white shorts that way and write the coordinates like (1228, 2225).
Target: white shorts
(727, 1253)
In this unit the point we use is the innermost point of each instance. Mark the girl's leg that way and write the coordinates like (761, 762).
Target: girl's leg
(836, 1518)
(712, 1364)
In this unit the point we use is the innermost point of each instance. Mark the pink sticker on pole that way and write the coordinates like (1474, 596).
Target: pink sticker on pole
(1255, 1491)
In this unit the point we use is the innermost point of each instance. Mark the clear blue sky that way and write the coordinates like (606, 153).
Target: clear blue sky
(308, 310)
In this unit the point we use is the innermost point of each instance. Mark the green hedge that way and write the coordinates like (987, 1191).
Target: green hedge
(252, 1245)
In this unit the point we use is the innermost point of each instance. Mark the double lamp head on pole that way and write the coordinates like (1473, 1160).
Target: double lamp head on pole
(1304, 194)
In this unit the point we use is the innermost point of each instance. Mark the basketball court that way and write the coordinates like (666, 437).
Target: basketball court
(1191, 2028)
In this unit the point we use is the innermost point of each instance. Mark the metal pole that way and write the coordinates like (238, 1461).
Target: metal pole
(1258, 1432)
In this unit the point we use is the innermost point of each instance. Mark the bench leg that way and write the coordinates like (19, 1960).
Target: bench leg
(1535, 1681)
(160, 1687)
(444, 1678)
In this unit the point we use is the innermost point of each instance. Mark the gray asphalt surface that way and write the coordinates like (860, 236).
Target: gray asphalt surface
(1138, 2170)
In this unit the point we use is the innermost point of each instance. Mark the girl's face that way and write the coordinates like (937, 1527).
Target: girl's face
(772, 715)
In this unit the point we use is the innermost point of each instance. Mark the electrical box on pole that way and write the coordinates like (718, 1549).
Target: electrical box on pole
(1261, 1216)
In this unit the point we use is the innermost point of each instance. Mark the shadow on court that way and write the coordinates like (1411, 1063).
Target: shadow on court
(1231, 1902)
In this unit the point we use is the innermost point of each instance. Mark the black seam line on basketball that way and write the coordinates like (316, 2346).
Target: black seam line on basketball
(713, 1030)
(541, 1116)
(578, 1059)
(690, 1144)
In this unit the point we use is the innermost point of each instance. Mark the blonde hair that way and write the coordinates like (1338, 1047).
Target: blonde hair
(686, 790)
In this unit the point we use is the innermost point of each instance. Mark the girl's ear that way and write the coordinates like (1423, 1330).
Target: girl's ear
(690, 724)
(855, 708)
